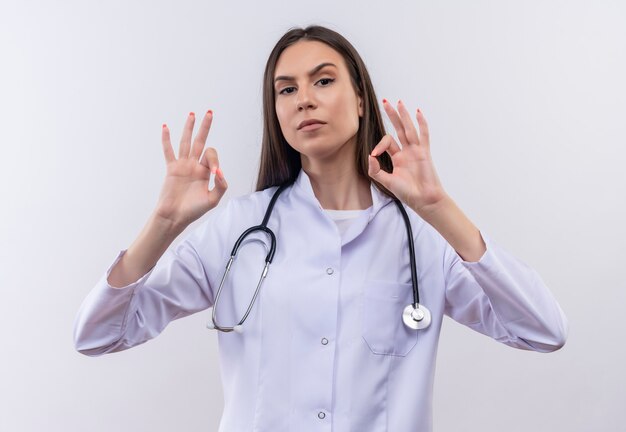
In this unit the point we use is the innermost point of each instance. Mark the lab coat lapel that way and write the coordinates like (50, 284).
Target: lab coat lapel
(379, 200)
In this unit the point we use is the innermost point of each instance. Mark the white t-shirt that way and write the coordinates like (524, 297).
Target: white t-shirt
(343, 218)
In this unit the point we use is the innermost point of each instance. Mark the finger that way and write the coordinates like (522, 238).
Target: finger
(424, 133)
(210, 160)
(395, 121)
(200, 140)
(386, 144)
(378, 174)
(407, 121)
(185, 141)
(167, 145)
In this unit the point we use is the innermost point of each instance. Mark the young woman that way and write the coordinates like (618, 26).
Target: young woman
(333, 335)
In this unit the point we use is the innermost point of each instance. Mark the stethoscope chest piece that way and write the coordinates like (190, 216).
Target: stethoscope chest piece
(416, 317)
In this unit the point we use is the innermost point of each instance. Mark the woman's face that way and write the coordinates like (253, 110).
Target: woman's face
(312, 82)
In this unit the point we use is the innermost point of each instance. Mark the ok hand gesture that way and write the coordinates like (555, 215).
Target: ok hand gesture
(185, 195)
(413, 180)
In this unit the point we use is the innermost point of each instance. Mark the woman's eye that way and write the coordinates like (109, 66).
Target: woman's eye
(324, 82)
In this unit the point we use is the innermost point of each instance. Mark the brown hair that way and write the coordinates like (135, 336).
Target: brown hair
(280, 163)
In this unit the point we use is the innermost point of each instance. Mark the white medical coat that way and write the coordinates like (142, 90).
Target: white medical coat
(324, 347)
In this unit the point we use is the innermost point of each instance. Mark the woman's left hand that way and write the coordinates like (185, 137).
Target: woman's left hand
(413, 180)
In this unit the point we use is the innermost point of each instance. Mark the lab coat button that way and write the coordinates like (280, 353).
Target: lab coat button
(330, 271)
(324, 341)
(321, 415)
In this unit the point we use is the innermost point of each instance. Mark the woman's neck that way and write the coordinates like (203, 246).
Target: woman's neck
(338, 186)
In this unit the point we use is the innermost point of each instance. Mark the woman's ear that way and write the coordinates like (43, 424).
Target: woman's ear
(360, 106)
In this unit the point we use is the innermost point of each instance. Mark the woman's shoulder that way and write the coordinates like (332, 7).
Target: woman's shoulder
(231, 216)
(253, 200)
(240, 210)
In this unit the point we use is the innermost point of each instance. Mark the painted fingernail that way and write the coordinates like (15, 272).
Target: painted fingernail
(164, 125)
(191, 114)
(384, 101)
(209, 112)
(418, 110)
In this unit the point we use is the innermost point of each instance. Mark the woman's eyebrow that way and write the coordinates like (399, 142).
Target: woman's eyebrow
(312, 72)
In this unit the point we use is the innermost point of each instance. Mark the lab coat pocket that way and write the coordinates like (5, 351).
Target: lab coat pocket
(381, 317)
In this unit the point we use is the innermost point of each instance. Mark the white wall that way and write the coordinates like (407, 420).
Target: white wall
(526, 104)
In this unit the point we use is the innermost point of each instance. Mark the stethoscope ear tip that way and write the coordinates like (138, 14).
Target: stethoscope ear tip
(236, 329)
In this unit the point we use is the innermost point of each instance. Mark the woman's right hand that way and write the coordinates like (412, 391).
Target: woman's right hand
(185, 195)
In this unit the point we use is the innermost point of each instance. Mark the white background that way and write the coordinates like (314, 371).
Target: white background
(526, 104)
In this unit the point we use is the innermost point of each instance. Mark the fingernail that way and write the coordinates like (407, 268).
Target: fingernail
(418, 110)
(191, 114)
(209, 112)
(384, 101)
(164, 125)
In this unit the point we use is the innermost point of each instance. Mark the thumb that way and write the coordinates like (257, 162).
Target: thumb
(378, 174)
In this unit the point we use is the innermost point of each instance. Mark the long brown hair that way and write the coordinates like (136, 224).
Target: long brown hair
(280, 163)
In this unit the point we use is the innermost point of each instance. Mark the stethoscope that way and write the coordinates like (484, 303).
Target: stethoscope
(415, 315)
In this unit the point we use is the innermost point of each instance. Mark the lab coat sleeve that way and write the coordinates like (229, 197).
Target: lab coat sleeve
(505, 299)
(114, 319)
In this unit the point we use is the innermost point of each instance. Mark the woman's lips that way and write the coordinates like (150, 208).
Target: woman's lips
(311, 127)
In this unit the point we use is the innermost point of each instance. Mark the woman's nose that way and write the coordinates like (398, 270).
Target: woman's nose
(304, 100)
